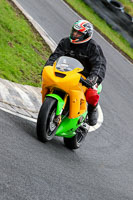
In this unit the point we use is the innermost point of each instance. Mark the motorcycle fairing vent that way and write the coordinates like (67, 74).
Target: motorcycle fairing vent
(60, 74)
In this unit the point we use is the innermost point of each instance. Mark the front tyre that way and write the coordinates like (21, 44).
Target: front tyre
(46, 127)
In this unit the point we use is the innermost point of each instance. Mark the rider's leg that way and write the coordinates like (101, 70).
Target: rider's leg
(92, 98)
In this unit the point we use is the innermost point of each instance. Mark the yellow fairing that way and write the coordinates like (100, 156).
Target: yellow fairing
(69, 84)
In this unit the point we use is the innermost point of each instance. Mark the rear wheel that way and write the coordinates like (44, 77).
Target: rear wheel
(76, 141)
(46, 127)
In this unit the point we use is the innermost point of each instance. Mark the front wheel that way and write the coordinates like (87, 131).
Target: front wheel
(76, 141)
(46, 127)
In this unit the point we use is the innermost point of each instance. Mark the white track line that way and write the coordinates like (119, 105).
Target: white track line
(18, 115)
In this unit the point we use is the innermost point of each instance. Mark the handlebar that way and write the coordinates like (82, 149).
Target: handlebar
(84, 82)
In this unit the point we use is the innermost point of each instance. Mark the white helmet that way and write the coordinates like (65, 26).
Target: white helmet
(82, 32)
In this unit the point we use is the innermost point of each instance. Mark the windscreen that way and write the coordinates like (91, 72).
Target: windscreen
(65, 64)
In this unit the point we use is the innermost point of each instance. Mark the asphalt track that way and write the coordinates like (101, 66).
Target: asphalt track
(102, 168)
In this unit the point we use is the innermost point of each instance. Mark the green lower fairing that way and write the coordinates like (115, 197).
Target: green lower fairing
(99, 89)
(68, 126)
(60, 102)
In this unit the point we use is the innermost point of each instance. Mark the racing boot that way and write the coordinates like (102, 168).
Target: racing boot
(92, 115)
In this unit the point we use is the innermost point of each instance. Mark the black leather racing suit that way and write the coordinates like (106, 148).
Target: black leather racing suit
(89, 54)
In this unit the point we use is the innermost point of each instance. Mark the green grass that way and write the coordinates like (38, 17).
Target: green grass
(22, 51)
(86, 12)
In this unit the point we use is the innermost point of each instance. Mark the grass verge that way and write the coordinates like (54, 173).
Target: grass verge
(112, 36)
(22, 51)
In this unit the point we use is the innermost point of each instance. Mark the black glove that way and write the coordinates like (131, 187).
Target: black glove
(92, 80)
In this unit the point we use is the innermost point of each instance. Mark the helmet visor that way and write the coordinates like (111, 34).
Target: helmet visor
(75, 34)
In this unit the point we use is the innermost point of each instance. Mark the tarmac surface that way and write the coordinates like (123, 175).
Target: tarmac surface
(102, 168)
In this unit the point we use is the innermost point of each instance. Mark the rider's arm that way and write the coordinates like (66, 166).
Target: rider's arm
(98, 62)
(59, 51)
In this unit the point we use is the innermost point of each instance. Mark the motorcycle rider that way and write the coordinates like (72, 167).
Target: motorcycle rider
(82, 47)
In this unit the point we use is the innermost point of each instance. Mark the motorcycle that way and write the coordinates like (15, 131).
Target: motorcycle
(64, 108)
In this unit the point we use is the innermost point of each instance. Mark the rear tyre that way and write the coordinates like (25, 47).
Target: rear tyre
(46, 127)
(76, 141)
